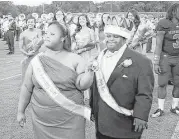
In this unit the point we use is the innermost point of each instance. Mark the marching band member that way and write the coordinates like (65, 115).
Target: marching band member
(122, 88)
(5, 27)
(18, 29)
(40, 25)
(22, 22)
(29, 43)
(36, 16)
(68, 17)
(44, 18)
(10, 35)
(50, 17)
(60, 17)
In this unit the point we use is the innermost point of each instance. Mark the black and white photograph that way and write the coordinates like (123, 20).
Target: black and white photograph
(89, 69)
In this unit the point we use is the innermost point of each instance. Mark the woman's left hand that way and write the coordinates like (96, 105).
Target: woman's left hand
(21, 118)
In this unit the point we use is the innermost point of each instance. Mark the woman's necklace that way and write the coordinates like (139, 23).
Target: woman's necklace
(57, 52)
(54, 52)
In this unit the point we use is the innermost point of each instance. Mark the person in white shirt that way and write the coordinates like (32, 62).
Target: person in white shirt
(122, 88)
(5, 27)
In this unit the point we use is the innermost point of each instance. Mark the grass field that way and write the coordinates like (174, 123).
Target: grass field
(10, 81)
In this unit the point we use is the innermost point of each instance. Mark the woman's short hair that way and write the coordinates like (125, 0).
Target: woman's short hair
(65, 33)
(171, 10)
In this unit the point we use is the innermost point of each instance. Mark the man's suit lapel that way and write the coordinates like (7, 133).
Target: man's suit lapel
(117, 70)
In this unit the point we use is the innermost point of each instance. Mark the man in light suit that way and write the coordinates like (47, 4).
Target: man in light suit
(122, 89)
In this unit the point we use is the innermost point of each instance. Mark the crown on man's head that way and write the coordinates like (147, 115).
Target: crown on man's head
(117, 31)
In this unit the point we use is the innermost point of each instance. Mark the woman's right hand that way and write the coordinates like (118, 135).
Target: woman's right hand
(157, 69)
(21, 118)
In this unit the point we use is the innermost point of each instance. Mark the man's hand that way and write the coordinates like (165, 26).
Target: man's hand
(140, 125)
(92, 118)
(157, 69)
(31, 53)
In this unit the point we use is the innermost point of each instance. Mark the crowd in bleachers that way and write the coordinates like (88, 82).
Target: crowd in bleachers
(95, 24)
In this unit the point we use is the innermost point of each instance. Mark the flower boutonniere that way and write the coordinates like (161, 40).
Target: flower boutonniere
(126, 63)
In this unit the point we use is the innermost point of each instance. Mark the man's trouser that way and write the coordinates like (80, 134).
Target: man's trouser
(149, 45)
(5, 36)
(169, 70)
(17, 34)
(100, 136)
(10, 40)
(0, 33)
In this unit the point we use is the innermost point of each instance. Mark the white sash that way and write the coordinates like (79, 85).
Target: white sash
(54, 93)
(104, 91)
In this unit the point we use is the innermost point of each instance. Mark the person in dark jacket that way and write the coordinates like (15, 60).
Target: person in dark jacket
(122, 88)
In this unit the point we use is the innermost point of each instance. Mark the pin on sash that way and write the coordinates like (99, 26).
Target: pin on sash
(95, 66)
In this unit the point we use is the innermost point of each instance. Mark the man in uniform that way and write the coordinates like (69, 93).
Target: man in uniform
(166, 59)
(10, 35)
(5, 27)
(18, 29)
(122, 89)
